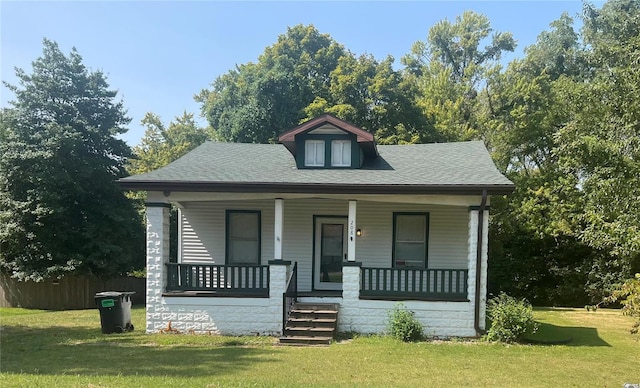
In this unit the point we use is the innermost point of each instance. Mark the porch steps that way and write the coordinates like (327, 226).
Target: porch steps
(311, 324)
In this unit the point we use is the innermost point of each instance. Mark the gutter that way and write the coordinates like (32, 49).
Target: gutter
(311, 188)
(476, 315)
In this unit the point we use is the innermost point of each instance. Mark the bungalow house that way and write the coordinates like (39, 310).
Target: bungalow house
(325, 231)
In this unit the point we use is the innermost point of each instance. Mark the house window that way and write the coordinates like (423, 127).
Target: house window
(410, 236)
(243, 237)
(314, 153)
(341, 153)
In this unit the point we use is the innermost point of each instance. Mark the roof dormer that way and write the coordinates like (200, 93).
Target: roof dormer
(328, 142)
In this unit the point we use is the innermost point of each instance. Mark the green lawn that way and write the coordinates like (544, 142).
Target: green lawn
(52, 349)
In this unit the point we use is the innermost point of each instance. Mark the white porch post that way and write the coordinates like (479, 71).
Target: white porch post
(351, 243)
(472, 244)
(472, 258)
(483, 269)
(278, 228)
(351, 272)
(157, 256)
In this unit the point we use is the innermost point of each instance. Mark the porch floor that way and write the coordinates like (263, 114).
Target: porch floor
(205, 294)
(321, 293)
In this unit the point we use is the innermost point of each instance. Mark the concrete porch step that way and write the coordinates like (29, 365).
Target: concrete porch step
(304, 340)
(311, 324)
(313, 312)
(307, 331)
(316, 306)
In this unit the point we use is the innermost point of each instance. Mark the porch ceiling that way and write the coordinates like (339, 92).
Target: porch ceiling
(181, 197)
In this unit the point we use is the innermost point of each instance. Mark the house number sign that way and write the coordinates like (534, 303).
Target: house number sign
(352, 230)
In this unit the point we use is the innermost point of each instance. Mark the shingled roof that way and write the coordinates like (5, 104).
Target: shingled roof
(439, 168)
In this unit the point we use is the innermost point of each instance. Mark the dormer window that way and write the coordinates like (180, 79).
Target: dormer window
(341, 153)
(314, 153)
(328, 142)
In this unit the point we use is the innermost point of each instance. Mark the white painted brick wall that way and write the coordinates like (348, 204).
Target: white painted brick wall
(483, 270)
(218, 315)
(473, 244)
(157, 256)
(441, 319)
(471, 256)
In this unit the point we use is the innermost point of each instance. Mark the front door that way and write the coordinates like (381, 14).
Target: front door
(330, 251)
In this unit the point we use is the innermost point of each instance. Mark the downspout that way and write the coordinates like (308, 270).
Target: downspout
(476, 316)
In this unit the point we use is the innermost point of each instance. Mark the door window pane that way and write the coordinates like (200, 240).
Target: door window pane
(331, 253)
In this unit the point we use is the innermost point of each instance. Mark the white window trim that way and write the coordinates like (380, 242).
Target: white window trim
(344, 144)
(424, 241)
(314, 162)
(229, 238)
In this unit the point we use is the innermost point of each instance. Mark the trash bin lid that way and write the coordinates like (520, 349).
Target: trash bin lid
(108, 294)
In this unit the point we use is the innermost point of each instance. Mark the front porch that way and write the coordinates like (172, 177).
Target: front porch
(256, 298)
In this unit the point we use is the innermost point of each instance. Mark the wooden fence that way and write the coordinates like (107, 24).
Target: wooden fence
(68, 293)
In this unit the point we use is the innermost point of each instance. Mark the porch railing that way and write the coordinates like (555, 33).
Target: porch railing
(290, 296)
(420, 284)
(221, 279)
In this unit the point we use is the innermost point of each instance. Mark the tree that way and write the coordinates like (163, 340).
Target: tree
(451, 69)
(601, 144)
(162, 145)
(375, 97)
(258, 101)
(60, 209)
(564, 127)
(535, 250)
(628, 294)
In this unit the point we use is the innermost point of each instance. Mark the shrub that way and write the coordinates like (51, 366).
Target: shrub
(628, 294)
(511, 319)
(404, 325)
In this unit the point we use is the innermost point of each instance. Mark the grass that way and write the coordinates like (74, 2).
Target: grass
(66, 349)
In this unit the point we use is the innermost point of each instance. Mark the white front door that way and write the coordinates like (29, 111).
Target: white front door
(330, 252)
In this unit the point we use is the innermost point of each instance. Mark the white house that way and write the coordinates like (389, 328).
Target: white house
(324, 231)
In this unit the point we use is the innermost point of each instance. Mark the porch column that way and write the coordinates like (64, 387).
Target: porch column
(351, 243)
(157, 256)
(278, 227)
(472, 257)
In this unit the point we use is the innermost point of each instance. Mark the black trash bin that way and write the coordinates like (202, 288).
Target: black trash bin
(115, 311)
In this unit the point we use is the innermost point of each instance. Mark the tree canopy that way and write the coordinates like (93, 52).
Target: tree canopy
(564, 126)
(451, 69)
(306, 73)
(61, 211)
(161, 145)
(257, 101)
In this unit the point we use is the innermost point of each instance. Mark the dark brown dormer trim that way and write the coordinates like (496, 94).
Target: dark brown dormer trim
(364, 139)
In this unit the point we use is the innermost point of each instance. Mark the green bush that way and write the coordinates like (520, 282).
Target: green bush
(628, 294)
(511, 319)
(404, 325)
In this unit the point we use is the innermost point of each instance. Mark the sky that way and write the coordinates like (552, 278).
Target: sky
(158, 54)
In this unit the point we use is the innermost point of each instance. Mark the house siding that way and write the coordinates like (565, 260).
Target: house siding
(202, 226)
(447, 246)
(203, 239)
